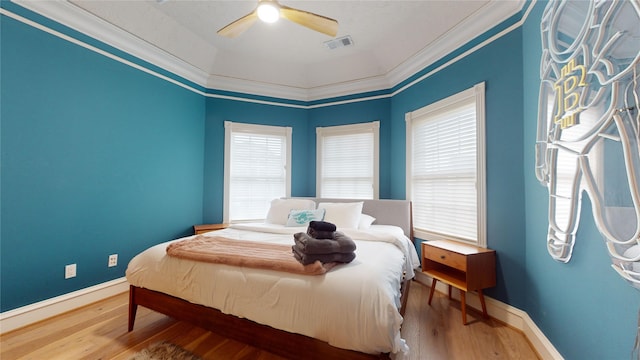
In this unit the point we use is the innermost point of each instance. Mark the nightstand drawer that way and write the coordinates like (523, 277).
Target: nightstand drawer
(446, 257)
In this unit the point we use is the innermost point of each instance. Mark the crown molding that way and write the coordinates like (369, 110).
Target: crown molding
(80, 20)
(295, 93)
(224, 83)
(360, 86)
(66, 13)
(483, 20)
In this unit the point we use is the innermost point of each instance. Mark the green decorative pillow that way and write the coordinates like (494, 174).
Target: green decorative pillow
(303, 217)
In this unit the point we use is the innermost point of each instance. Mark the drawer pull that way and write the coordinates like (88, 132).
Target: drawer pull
(441, 256)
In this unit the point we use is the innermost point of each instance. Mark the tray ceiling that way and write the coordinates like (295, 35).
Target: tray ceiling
(391, 40)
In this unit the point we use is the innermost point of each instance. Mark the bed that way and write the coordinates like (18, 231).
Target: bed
(354, 311)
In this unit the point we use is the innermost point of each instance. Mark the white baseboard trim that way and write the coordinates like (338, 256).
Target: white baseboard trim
(505, 313)
(26, 315)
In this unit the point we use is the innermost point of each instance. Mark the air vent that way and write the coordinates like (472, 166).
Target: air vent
(339, 42)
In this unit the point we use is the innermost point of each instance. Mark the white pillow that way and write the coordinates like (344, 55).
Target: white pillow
(280, 208)
(304, 217)
(365, 221)
(342, 215)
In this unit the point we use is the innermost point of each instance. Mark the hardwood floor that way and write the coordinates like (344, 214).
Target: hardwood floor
(99, 331)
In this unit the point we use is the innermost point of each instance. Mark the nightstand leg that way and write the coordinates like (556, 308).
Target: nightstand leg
(433, 288)
(463, 306)
(450, 292)
(484, 306)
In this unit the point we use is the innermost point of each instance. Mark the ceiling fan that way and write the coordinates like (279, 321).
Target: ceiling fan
(271, 11)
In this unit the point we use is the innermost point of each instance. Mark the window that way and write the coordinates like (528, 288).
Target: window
(257, 169)
(347, 161)
(445, 168)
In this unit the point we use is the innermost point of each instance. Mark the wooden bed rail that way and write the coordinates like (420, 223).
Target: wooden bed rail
(288, 345)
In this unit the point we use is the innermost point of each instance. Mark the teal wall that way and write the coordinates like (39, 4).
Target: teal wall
(583, 307)
(354, 113)
(97, 158)
(101, 158)
(221, 110)
(499, 65)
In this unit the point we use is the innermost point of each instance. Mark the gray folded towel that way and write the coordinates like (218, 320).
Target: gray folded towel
(320, 234)
(322, 225)
(306, 259)
(340, 243)
(321, 229)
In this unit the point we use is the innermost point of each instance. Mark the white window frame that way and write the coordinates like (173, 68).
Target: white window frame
(234, 127)
(478, 93)
(369, 127)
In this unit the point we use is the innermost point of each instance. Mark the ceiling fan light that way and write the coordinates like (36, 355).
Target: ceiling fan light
(268, 12)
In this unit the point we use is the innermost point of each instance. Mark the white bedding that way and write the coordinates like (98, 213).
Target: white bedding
(354, 306)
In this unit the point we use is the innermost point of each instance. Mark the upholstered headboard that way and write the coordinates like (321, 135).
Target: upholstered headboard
(386, 211)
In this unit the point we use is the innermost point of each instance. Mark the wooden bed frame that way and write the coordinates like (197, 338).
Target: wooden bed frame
(279, 342)
(282, 343)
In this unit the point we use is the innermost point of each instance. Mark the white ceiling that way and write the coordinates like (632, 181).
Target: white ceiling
(392, 40)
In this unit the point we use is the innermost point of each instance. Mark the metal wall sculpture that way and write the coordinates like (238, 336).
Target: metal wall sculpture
(588, 125)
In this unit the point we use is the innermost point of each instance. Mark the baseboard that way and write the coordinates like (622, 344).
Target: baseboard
(26, 315)
(507, 314)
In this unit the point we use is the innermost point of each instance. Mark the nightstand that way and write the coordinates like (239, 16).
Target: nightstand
(465, 267)
(199, 229)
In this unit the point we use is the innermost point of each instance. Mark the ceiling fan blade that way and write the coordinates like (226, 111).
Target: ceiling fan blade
(313, 21)
(239, 26)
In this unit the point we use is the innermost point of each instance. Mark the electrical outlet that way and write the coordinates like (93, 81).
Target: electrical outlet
(70, 271)
(113, 260)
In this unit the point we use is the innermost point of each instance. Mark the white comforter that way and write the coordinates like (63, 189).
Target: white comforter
(354, 306)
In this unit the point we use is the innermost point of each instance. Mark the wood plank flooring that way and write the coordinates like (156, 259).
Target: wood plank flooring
(99, 331)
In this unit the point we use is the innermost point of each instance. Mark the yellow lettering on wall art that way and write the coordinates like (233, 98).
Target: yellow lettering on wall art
(568, 89)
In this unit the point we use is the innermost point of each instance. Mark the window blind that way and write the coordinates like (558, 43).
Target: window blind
(347, 161)
(442, 163)
(444, 173)
(257, 172)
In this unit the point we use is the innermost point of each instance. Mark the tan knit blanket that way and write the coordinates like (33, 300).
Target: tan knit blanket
(221, 250)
